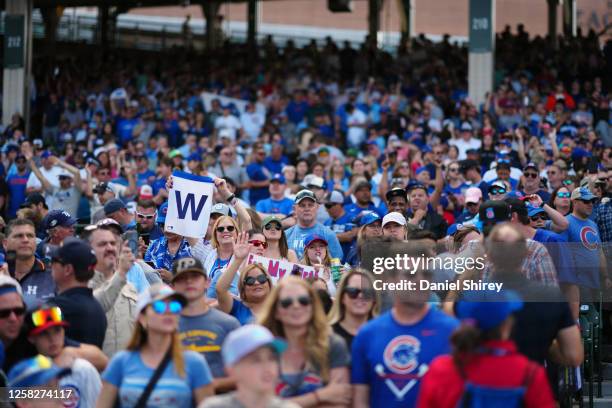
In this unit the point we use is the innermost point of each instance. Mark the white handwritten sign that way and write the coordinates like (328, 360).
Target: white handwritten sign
(277, 269)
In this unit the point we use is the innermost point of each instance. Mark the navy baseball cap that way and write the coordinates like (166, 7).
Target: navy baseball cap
(58, 218)
(279, 178)
(112, 206)
(494, 211)
(488, 309)
(33, 199)
(35, 371)
(75, 252)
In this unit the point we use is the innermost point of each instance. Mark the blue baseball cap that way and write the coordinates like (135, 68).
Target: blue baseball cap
(58, 218)
(279, 178)
(161, 213)
(313, 238)
(245, 340)
(367, 218)
(46, 154)
(488, 308)
(35, 371)
(533, 211)
(582, 193)
(112, 206)
(194, 157)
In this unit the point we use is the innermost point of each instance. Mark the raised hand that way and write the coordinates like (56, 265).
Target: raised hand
(242, 246)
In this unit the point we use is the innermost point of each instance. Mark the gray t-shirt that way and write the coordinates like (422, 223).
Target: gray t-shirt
(230, 401)
(205, 334)
(67, 200)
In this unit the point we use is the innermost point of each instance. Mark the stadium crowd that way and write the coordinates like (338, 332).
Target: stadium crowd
(323, 157)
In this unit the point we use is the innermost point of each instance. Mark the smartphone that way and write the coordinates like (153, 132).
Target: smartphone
(131, 239)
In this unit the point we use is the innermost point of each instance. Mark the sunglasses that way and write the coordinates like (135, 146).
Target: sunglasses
(330, 205)
(453, 170)
(258, 244)
(563, 195)
(587, 201)
(531, 175)
(274, 226)
(302, 300)
(162, 307)
(498, 191)
(471, 204)
(145, 216)
(229, 228)
(542, 217)
(19, 311)
(250, 280)
(353, 293)
(43, 316)
(567, 182)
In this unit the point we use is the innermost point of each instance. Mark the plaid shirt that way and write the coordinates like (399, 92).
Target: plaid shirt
(603, 218)
(158, 253)
(538, 265)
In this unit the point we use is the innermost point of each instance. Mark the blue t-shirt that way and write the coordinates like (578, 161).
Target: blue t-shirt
(159, 184)
(257, 172)
(296, 236)
(125, 127)
(270, 206)
(17, 190)
(147, 177)
(354, 210)
(557, 248)
(275, 166)
(215, 274)
(296, 111)
(130, 375)
(242, 312)
(340, 225)
(392, 358)
(584, 247)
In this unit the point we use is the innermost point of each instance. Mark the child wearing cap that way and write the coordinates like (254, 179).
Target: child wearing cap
(38, 371)
(250, 355)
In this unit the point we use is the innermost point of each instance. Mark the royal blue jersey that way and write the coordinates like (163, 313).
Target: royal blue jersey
(584, 247)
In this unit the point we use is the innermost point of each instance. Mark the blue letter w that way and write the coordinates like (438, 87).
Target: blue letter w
(189, 202)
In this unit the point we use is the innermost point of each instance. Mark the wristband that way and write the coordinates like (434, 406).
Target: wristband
(230, 198)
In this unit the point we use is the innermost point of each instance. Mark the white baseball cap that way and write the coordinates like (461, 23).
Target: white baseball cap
(394, 217)
(247, 339)
(9, 284)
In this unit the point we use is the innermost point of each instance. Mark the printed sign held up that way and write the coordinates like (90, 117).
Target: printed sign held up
(277, 269)
(189, 204)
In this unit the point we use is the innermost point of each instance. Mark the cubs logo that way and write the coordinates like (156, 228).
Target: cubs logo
(589, 238)
(401, 354)
(490, 214)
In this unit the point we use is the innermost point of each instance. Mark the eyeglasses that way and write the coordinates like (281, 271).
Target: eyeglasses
(250, 280)
(302, 300)
(162, 307)
(563, 195)
(256, 243)
(273, 225)
(531, 175)
(542, 217)
(353, 293)
(145, 216)
(43, 316)
(19, 311)
(497, 191)
(229, 228)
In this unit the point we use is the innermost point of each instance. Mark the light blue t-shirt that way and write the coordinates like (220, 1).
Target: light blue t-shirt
(296, 236)
(127, 372)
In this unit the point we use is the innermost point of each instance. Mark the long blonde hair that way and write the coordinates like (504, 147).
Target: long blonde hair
(338, 310)
(326, 259)
(213, 240)
(139, 338)
(243, 274)
(316, 343)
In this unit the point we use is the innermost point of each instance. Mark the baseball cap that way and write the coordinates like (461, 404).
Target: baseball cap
(487, 308)
(246, 339)
(468, 164)
(335, 197)
(473, 195)
(532, 211)
(366, 218)
(363, 184)
(270, 218)
(187, 264)
(194, 157)
(278, 178)
(311, 181)
(394, 217)
(503, 163)
(99, 151)
(305, 194)
(64, 174)
(517, 205)
(103, 187)
(466, 127)
(396, 192)
(412, 185)
(44, 317)
(174, 153)
(582, 193)
(37, 142)
(8, 284)
(58, 218)
(46, 154)
(499, 184)
(33, 199)
(494, 211)
(110, 223)
(112, 206)
(35, 371)
(313, 238)
(161, 213)
(75, 252)
(146, 192)
(530, 165)
(221, 208)
(157, 291)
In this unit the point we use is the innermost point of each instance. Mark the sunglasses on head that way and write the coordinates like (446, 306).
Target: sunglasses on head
(302, 300)
(542, 217)
(145, 216)
(229, 228)
(251, 280)
(43, 316)
(498, 191)
(256, 243)
(531, 175)
(273, 225)
(353, 293)
(163, 306)
(562, 194)
(19, 311)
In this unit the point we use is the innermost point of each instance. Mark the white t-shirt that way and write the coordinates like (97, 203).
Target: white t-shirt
(356, 118)
(84, 382)
(230, 123)
(52, 177)
(464, 146)
(252, 122)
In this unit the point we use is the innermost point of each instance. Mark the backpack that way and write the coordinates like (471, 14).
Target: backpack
(481, 396)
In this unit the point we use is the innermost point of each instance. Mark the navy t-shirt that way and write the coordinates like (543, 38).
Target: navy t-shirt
(392, 358)
(257, 172)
